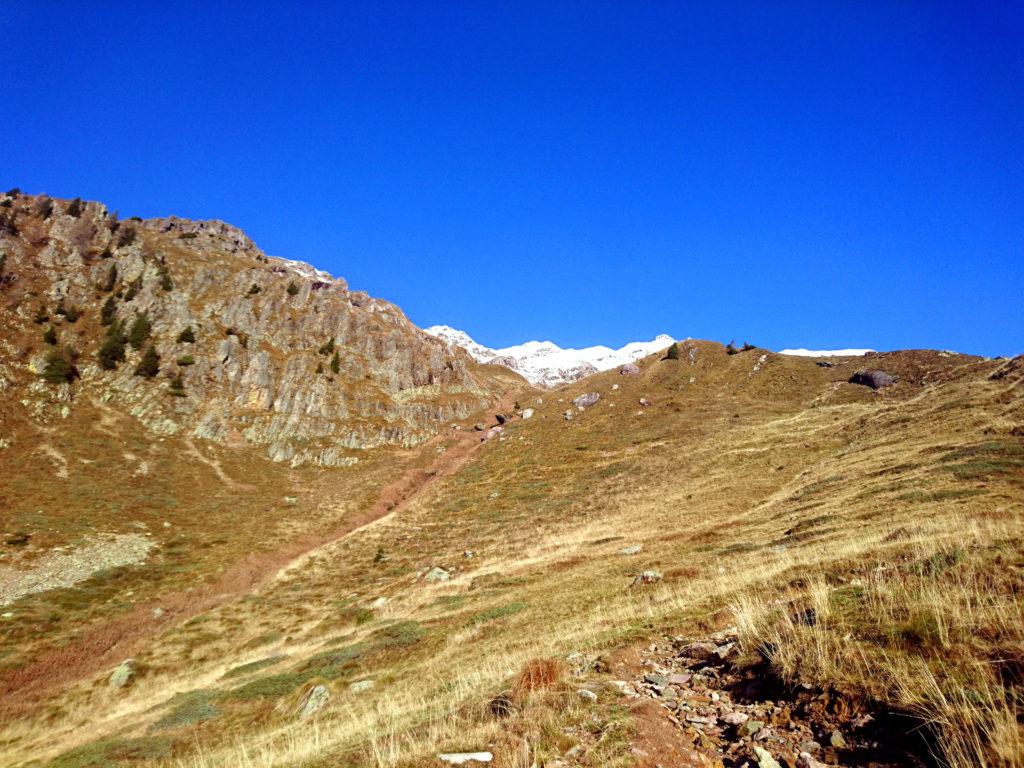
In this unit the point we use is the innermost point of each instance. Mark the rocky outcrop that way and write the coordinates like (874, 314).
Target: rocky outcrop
(251, 348)
(873, 378)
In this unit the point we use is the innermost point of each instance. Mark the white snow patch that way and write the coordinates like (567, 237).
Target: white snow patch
(545, 363)
(825, 352)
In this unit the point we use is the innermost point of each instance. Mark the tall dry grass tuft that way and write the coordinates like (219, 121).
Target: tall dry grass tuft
(925, 630)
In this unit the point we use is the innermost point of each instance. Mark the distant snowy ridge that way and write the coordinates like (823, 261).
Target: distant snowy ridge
(825, 352)
(546, 364)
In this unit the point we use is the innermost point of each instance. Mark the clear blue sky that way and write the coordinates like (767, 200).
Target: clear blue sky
(813, 173)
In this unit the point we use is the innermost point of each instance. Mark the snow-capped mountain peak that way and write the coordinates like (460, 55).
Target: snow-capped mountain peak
(546, 364)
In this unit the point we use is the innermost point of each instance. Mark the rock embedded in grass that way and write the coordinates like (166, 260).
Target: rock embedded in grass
(123, 674)
(646, 577)
(313, 701)
(586, 400)
(437, 575)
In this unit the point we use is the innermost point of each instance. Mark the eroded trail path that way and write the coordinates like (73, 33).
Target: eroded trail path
(101, 646)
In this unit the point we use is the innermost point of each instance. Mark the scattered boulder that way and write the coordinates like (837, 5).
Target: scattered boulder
(873, 378)
(836, 740)
(123, 674)
(587, 695)
(586, 400)
(632, 549)
(646, 577)
(437, 575)
(503, 418)
(313, 701)
(644, 402)
(361, 685)
(478, 427)
(527, 413)
(629, 370)
(492, 433)
(568, 415)
(825, 364)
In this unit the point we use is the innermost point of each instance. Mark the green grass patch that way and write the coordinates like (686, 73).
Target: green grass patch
(400, 635)
(252, 666)
(188, 709)
(114, 752)
(497, 612)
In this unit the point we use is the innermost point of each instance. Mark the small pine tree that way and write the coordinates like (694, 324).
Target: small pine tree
(75, 207)
(186, 360)
(293, 289)
(111, 280)
(112, 350)
(71, 314)
(730, 348)
(50, 336)
(126, 236)
(12, 192)
(187, 336)
(149, 365)
(319, 368)
(139, 331)
(133, 288)
(165, 279)
(109, 311)
(253, 290)
(178, 386)
(41, 315)
(327, 348)
(45, 208)
(747, 347)
(673, 352)
(335, 363)
(59, 369)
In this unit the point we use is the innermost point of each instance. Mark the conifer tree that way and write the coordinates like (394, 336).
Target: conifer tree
(149, 366)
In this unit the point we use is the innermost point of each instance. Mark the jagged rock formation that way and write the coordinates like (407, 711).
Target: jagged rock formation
(284, 356)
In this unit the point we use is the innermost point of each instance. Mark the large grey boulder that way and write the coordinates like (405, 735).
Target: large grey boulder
(873, 378)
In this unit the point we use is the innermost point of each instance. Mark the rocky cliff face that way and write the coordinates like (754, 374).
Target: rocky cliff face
(246, 348)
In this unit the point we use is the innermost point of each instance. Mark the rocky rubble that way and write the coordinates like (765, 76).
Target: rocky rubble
(737, 716)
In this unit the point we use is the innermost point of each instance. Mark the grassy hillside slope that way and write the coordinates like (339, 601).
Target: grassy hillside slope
(860, 541)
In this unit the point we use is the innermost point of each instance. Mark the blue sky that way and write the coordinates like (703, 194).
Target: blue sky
(822, 174)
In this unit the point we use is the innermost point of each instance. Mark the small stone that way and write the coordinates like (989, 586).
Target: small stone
(629, 370)
(291, 501)
(646, 577)
(750, 727)
(587, 695)
(683, 679)
(586, 400)
(122, 675)
(644, 402)
(764, 758)
(807, 761)
(437, 574)
(812, 747)
(461, 758)
(158, 613)
(527, 413)
(735, 718)
(837, 740)
(313, 701)
(361, 685)
(658, 680)
(633, 549)
(379, 603)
